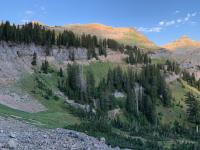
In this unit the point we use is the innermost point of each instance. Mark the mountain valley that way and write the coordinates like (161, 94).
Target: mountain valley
(110, 83)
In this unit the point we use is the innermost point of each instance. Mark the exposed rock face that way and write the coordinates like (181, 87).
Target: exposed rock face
(16, 59)
(15, 62)
(22, 136)
(171, 77)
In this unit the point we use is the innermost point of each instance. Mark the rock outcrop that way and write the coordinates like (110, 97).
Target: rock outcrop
(16, 58)
(15, 62)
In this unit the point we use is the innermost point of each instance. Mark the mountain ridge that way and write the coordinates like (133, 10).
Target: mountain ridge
(184, 42)
(123, 35)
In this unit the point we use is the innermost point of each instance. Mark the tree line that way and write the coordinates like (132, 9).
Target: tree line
(136, 55)
(170, 66)
(38, 34)
(28, 33)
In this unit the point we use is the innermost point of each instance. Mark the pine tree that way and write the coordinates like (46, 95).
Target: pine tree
(166, 96)
(71, 55)
(104, 101)
(193, 109)
(150, 110)
(90, 84)
(34, 61)
(131, 101)
(45, 66)
(60, 73)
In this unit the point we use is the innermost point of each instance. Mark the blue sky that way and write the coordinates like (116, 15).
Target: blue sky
(161, 21)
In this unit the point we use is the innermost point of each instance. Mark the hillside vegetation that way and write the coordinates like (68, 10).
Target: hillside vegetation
(138, 103)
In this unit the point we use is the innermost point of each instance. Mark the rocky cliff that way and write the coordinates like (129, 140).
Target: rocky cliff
(15, 59)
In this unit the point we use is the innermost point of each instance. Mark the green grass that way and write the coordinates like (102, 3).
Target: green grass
(177, 112)
(190, 88)
(57, 114)
(100, 69)
(48, 119)
(158, 61)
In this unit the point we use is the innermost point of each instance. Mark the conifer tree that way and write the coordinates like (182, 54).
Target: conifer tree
(45, 66)
(90, 84)
(34, 61)
(150, 110)
(130, 102)
(193, 109)
(60, 72)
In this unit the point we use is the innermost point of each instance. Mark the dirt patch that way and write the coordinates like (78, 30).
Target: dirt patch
(114, 57)
(17, 99)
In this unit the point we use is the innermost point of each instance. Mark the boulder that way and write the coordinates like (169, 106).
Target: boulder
(12, 144)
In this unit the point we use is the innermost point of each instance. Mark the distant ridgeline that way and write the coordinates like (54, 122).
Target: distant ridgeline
(39, 35)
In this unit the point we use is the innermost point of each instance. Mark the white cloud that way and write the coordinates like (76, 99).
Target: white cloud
(166, 23)
(169, 23)
(179, 20)
(177, 11)
(153, 29)
(161, 23)
(194, 14)
(193, 22)
(187, 17)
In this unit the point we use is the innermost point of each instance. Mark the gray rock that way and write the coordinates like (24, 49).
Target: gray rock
(119, 94)
(103, 140)
(12, 135)
(1, 145)
(12, 144)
